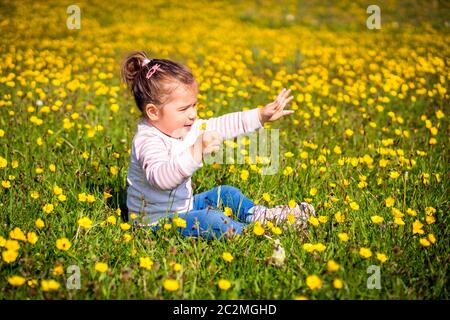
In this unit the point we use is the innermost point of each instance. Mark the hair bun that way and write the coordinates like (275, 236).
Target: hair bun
(131, 65)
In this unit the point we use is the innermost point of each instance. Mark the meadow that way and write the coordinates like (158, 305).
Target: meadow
(368, 146)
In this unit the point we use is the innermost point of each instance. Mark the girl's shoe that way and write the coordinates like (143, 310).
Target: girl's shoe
(280, 213)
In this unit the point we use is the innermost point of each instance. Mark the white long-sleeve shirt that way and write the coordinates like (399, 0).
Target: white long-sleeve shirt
(161, 167)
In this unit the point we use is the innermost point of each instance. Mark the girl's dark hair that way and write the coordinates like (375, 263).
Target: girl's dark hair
(157, 88)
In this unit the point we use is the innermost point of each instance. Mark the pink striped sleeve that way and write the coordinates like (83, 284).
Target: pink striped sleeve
(234, 124)
(161, 170)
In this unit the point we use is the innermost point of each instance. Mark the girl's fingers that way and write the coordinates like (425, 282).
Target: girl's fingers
(285, 92)
(286, 101)
(280, 95)
(288, 112)
(289, 99)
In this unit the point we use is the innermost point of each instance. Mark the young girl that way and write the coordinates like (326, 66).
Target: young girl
(170, 144)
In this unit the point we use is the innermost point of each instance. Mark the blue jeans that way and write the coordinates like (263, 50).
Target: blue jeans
(206, 221)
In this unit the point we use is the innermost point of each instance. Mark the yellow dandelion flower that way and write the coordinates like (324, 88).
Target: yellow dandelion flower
(179, 222)
(227, 257)
(34, 194)
(39, 223)
(338, 284)
(382, 257)
(332, 266)
(292, 204)
(290, 218)
(49, 285)
(228, 212)
(340, 218)
(313, 282)
(244, 175)
(90, 198)
(6, 184)
(127, 237)
(57, 190)
(224, 284)
(9, 255)
(111, 220)
(17, 234)
(177, 267)
(439, 114)
(389, 202)
(424, 242)
(343, 236)
(58, 270)
(394, 175)
(319, 247)
(114, 170)
(16, 281)
(276, 230)
(145, 262)
(323, 219)
(348, 132)
(85, 222)
(48, 208)
(32, 237)
(377, 219)
(432, 238)
(417, 227)
(125, 226)
(258, 229)
(3, 162)
(354, 206)
(430, 219)
(365, 253)
(171, 285)
(63, 244)
(101, 267)
(12, 245)
(82, 197)
(32, 283)
(313, 221)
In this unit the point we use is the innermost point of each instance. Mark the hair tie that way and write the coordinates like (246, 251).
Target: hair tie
(145, 62)
(152, 71)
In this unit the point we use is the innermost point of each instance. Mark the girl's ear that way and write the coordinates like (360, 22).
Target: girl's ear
(152, 112)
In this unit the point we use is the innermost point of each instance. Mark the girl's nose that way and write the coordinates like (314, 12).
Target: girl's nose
(193, 115)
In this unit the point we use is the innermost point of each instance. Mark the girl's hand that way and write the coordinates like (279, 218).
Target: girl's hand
(206, 143)
(275, 110)
(211, 141)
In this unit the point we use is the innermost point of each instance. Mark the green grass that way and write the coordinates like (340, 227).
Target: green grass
(304, 50)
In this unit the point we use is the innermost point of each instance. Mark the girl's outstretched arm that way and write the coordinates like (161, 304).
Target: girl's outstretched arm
(234, 124)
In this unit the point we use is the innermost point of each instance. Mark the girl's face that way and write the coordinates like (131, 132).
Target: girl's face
(179, 113)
